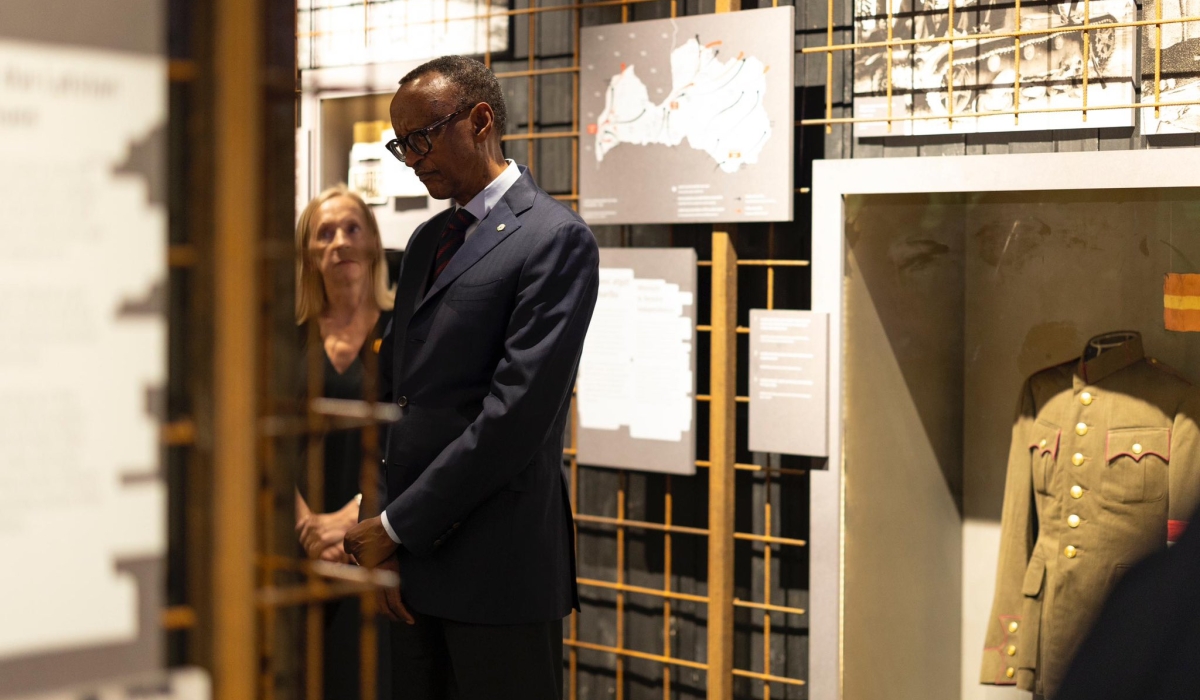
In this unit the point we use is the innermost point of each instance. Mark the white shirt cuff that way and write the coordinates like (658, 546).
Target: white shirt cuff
(391, 533)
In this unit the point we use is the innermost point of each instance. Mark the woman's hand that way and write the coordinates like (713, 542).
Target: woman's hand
(321, 534)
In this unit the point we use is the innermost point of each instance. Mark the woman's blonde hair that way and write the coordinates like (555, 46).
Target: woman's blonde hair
(310, 288)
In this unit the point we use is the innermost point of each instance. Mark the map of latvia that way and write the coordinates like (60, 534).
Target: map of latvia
(716, 105)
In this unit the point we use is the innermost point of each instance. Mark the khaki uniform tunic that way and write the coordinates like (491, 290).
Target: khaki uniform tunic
(1104, 465)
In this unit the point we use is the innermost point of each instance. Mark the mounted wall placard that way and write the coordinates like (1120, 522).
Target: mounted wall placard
(637, 377)
(83, 285)
(789, 380)
(688, 120)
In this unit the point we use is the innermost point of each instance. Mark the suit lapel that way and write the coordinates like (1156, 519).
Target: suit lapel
(499, 224)
(411, 286)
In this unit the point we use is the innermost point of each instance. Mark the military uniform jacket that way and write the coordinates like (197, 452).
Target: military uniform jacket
(1104, 468)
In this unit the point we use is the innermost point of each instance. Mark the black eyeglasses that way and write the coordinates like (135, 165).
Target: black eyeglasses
(419, 141)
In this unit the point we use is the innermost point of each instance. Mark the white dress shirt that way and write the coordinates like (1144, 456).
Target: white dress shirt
(480, 206)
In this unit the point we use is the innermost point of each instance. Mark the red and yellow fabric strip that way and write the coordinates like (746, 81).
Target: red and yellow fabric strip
(1181, 302)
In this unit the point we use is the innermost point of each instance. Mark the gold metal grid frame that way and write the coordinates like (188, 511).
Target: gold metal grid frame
(257, 582)
(951, 38)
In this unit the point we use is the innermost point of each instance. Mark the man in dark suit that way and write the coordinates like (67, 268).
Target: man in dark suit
(493, 300)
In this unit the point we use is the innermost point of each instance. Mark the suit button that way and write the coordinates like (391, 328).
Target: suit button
(437, 543)
(1070, 551)
(1085, 398)
(402, 401)
(1077, 459)
(1081, 429)
(1042, 443)
(1011, 650)
(1010, 672)
(1013, 627)
(455, 525)
(1073, 520)
(1076, 491)
(1137, 448)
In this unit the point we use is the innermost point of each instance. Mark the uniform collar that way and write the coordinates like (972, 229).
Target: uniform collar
(482, 204)
(1110, 361)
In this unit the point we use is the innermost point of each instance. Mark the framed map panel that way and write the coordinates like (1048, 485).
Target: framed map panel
(688, 120)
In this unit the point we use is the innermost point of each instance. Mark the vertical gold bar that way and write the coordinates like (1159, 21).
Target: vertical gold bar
(890, 37)
(950, 67)
(532, 86)
(1017, 66)
(314, 671)
(622, 480)
(578, 20)
(487, 32)
(721, 454)
(668, 507)
(767, 586)
(238, 218)
(1087, 46)
(828, 65)
(1157, 56)
(573, 653)
(368, 649)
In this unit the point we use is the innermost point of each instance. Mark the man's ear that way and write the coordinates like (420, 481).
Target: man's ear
(483, 121)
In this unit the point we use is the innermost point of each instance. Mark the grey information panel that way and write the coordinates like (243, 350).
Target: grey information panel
(688, 120)
(789, 382)
(637, 377)
(82, 503)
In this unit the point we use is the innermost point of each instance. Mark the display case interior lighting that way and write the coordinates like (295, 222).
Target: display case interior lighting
(357, 32)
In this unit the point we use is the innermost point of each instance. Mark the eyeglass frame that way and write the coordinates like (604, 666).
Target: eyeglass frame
(395, 145)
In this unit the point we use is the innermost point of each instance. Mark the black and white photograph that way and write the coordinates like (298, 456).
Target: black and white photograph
(1179, 69)
(933, 82)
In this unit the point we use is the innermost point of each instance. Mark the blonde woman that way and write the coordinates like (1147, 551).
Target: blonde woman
(342, 291)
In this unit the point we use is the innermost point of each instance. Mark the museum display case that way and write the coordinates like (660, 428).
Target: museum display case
(949, 300)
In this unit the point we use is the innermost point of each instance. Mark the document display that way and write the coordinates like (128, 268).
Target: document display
(82, 366)
(636, 388)
(789, 370)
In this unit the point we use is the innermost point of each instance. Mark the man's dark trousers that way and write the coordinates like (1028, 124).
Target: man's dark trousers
(481, 363)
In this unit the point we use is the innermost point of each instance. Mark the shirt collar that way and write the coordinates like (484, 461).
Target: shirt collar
(482, 204)
(1110, 361)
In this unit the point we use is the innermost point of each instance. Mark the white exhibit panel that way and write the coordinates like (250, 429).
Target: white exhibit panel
(83, 284)
(789, 368)
(1178, 79)
(947, 282)
(688, 120)
(976, 77)
(636, 391)
(360, 32)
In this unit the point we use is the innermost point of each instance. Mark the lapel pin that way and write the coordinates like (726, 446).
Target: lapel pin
(500, 227)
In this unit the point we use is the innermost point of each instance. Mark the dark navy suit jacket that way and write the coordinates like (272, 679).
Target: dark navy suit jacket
(482, 364)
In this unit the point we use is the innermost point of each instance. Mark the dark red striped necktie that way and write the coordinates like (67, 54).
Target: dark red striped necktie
(453, 237)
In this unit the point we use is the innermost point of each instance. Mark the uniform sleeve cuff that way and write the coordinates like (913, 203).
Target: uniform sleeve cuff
(388, 528)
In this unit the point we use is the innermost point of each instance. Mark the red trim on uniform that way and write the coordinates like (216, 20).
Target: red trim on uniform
(1175, 530)
(1049, 449)
(1109, 455)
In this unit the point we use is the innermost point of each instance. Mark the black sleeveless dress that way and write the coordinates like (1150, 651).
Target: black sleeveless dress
(343, 466)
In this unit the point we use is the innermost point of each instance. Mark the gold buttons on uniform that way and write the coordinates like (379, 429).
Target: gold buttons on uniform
(1085, 398)
(1073, 520)
(1137, 448)
(1013, 626)
(1070, 551)
(1011, 650)
(1042, 443)
(1077, 459)
(1081, 429)
(1010, 672)
(1076, 491)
